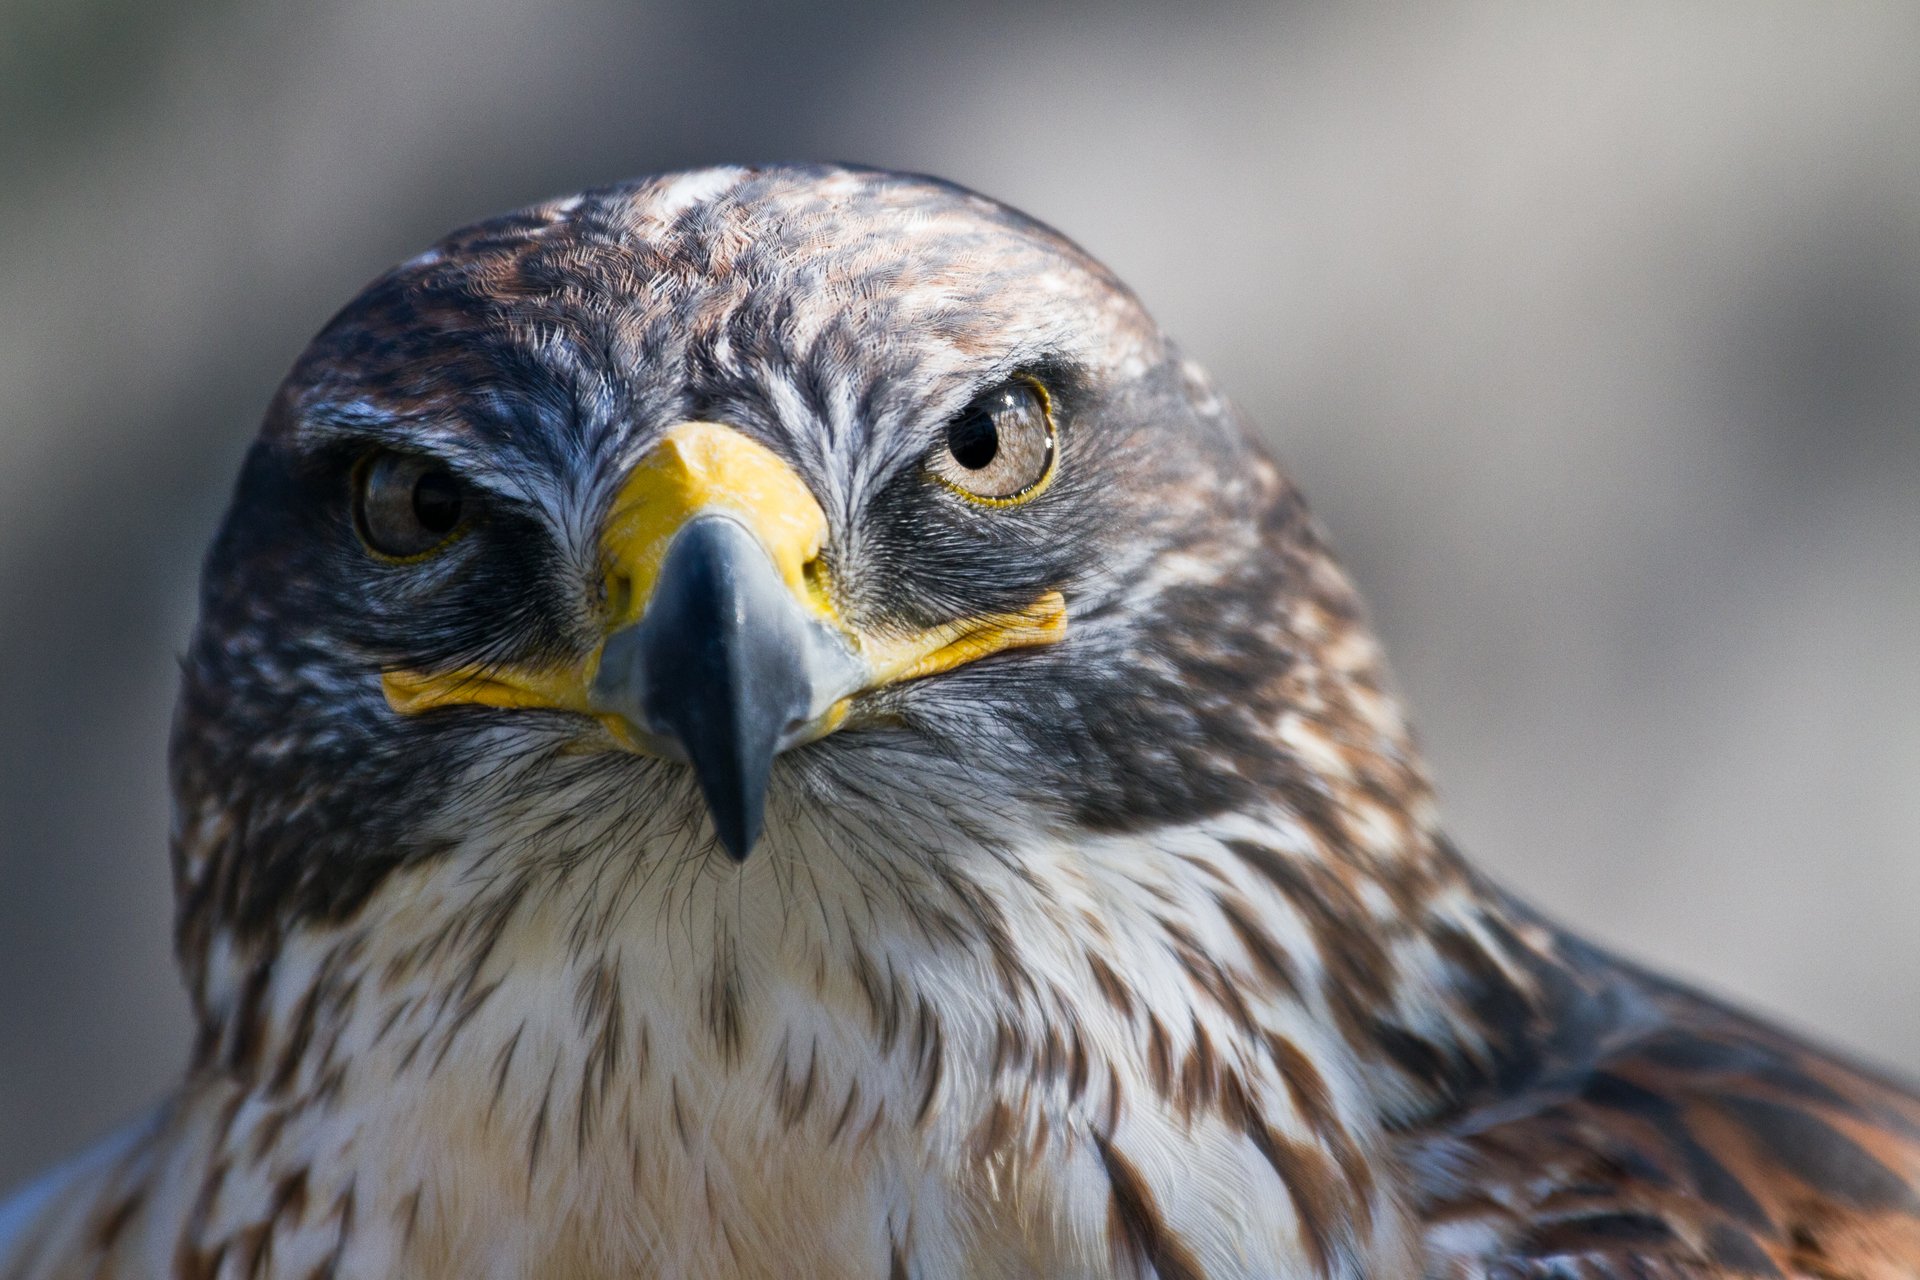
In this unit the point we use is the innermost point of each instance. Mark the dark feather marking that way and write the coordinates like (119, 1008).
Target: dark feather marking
(1738, 1251)
(193, 1259)
(1711, 1179)
(1052, 1055)
(1077, 1067)
(1269, 958)
(1821, 1156)
(883, 998)
(536, 1136)
(1205, 972)
(412, 1051)
(288, 1208)
(1198, 1074)
(1014, 978)
(724, 1016)
(327, 1088)
(191, 1263)
(1111, 986)
(1593, 1233)
(599, 1004)
(252, 1249)
(502, 1063)
(1421, 1059)
(470, 1004)
(680, 1125)
(794, 1100)
(1159, 1057)
(1136, 1225)
(343, 1207)
(1009, 1047)
(1307, 1090)
(1306, 1087)
(846, 1112)
(1116, 1098)
(249, 1025)
(395, 1012)
(1715, 1183)
(1359, 970)
(992, 1133)
(115, 1220)
(1318, 1199)
(926, 1029)
(299, 1035)
(933, 1069)
(408, 1214)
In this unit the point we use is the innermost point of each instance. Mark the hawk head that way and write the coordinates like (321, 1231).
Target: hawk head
(750, 514)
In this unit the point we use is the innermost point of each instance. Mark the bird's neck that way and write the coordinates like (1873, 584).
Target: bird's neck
(1249, 999)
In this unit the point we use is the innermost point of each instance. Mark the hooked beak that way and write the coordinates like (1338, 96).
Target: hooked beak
(721, 645)
(724, 670)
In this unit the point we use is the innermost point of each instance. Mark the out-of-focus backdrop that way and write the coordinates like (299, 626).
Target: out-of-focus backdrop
(1593, 333)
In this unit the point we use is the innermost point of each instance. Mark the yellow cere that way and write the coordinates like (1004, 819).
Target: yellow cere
(705, 468)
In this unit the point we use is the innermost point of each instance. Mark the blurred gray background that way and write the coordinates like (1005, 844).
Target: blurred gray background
(1593, 332)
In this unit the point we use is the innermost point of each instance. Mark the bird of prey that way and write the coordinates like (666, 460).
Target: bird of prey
(769, 723)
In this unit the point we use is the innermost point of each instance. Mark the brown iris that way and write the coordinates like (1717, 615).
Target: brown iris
(1000, 449)
(406, 506)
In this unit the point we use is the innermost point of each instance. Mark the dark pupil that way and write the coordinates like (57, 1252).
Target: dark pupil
(436, 502)
(973, 440)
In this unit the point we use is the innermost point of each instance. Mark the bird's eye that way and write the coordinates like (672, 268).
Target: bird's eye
(999, 449)
(406, 506)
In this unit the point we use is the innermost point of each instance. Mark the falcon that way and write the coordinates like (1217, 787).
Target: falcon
(768, 723)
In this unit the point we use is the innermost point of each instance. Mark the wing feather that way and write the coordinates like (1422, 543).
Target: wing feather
(1701, 1143)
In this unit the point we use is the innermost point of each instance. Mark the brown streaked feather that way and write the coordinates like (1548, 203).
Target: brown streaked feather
(1673, 1138)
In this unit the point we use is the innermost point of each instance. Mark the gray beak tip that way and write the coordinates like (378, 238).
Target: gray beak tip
(738, 832)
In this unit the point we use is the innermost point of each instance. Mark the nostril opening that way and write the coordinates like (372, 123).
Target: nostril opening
(616, 594)
(813, 575)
